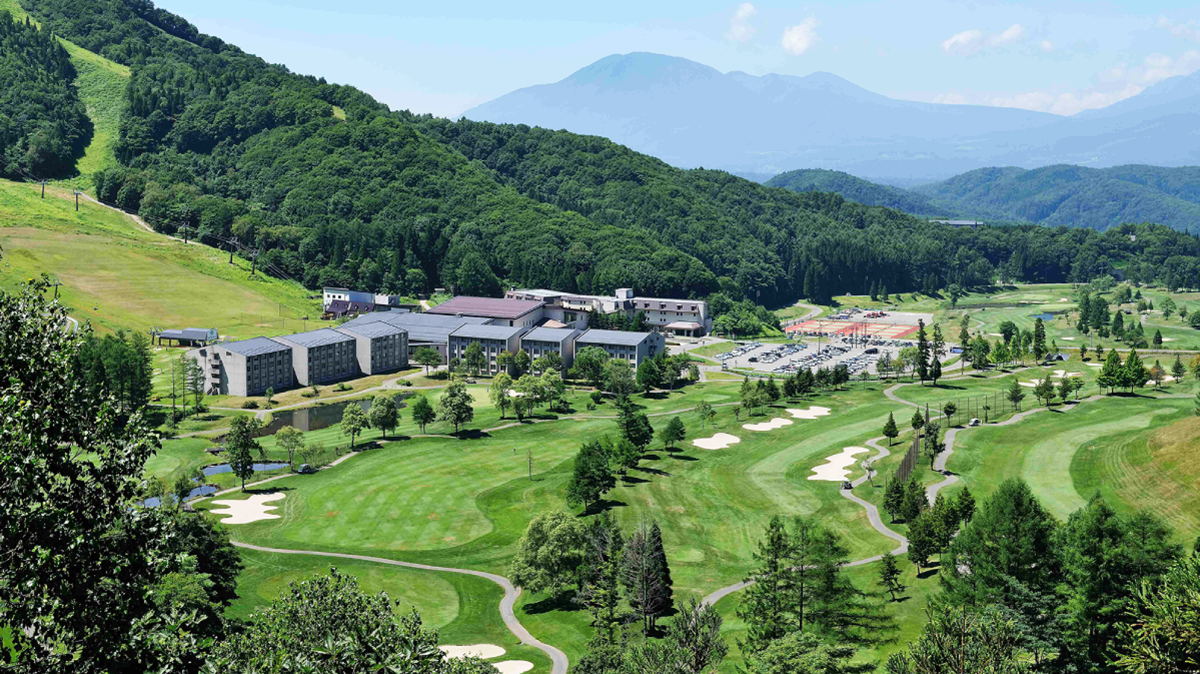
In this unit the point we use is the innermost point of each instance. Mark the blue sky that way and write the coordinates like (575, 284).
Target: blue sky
(446, 57)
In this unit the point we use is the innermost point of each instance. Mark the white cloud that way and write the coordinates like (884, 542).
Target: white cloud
(1187, 31)
(1047, 46)
(801, 37)
(950, 99)
(740, 29)
(970, 42)
(967, 42)
(1014, 33)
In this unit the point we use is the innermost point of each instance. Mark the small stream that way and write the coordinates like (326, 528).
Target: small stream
(310, 418)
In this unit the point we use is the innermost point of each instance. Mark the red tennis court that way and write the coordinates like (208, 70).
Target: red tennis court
(825, 327)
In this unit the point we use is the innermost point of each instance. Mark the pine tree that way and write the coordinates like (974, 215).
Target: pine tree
(922, 365)
(933, 445)
(965, 505)
(664, 570)
(889, 575)
(893, 498)
(917, 420)
(1133, 372)
(1039, 340)
(643, 578)
(922, 540)
(601, 587)
(1177, 369)
(914, 500)
(768, 599)
(889, 429)
(1015, 394)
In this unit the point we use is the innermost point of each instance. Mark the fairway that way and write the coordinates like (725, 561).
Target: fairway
(1043, 448)
(464, 503)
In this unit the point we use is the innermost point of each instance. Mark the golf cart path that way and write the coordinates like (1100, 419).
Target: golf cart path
(557, 657)
(872, 515)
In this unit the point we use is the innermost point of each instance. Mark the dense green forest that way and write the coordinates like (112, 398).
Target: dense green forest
(1075, 196)
(43, 124)
(855, 189)
(1072, 196)
(222, 142)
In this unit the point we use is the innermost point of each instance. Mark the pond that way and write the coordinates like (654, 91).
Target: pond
(226, 468)
(1045, 316)
(202, 490)
(310, 418)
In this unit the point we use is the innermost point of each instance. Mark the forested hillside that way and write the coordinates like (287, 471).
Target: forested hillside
(43, 124)
(222, 142)
(855, 189)
(1075, 196)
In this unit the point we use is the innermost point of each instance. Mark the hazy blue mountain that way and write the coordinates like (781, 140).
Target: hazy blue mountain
(856, 189)
(1075, 196)
(689, 115)
(1062, 194)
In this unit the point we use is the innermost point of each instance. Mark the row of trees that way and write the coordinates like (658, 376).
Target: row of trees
(801, 602)
(559, 554)
(118, 365)
(1070, 591)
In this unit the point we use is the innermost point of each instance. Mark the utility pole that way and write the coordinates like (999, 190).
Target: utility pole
(43, 189)
(231, 251)
(77, 201)
(56, 284)
(184, 229)
(253, 261)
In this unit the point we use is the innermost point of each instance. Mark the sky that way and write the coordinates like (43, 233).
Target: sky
(447, 57)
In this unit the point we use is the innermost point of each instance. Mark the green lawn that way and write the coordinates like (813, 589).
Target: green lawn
(466, 502)
(132, 278)
(101, 84)
(462, 608)
(1114, 445)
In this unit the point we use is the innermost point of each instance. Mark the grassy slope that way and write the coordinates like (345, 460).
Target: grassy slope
(101, 84)
(117, 275)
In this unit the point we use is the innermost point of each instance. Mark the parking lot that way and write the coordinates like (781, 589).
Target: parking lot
(858, 354)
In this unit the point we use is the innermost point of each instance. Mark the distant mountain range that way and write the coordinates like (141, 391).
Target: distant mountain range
(1053, 195)
(691, 115)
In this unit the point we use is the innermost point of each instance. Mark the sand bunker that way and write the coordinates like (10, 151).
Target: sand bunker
(1055, 377)
(835, 469)
(513, 666)
(810, 413)
(718, 441)
(473, 651)
(1095, 364)
(777, 422)
(249, 510)
(1063, 299)
(1168, 339)
(1069, 339)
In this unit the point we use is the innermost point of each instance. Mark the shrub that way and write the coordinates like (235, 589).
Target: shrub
(250, 405)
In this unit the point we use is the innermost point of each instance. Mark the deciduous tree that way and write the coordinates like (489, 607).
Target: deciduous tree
(423, 413)
(354, 421)
(456, 406)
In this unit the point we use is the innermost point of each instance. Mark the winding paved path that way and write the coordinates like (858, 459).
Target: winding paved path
(931, 491)
(557, 657)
